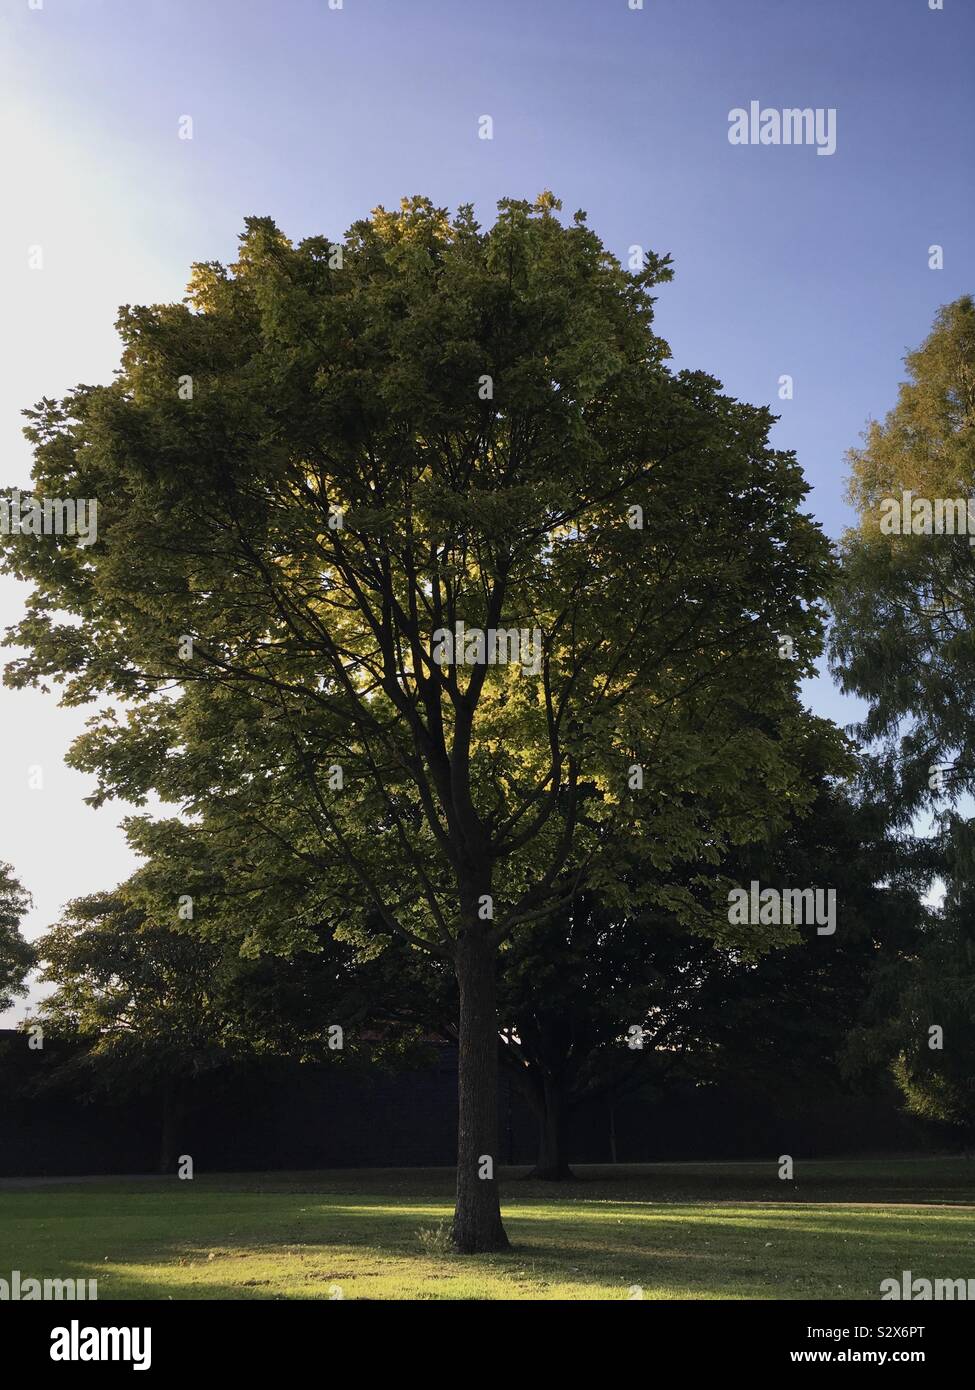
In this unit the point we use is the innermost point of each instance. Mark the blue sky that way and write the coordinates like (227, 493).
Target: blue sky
(787, 262)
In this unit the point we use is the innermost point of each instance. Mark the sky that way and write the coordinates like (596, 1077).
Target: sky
(787, 261)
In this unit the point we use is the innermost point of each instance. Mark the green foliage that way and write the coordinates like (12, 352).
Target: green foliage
(322, 391)
(920, 1023)
(709, 1011)
(17, 956)
(141, 995)
(905, 604)
(903, 641)
(152, 1002)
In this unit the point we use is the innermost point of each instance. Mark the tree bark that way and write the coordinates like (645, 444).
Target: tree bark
(552, 1114)
(477, 1225)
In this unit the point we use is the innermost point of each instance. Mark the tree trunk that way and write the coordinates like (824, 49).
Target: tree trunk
(477, 1216)
(552, 1113)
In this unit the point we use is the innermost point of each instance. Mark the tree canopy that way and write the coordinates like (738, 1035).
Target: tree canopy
(905, 603)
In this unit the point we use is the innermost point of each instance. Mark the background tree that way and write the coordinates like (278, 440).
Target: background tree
(919, 1022)
(905, 602)
(16, 955)
(902, 641)
(154, 1008)
(571, 991)
(141, 999)
(332, 454)
(598, 981)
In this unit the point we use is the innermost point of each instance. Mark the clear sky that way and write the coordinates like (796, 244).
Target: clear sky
(787, 261)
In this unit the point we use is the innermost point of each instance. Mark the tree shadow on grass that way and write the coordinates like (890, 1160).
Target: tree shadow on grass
(685, 1252)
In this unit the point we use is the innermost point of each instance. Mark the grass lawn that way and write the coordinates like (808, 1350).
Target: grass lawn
(671, 1230)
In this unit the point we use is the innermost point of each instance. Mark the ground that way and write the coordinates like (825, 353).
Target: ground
(655, 1231)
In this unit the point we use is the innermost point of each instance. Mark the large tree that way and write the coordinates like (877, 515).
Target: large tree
(16, 955)
(329, 457)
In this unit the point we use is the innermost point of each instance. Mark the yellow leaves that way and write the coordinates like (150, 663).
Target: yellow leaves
(547, 202)
(926, 444)
(206, 280)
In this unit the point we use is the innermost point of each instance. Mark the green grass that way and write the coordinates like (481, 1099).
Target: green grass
(670, 1230)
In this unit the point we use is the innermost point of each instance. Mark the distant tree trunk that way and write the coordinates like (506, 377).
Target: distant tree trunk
(477, 1216)
(172, 1118)
(552, 1113)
